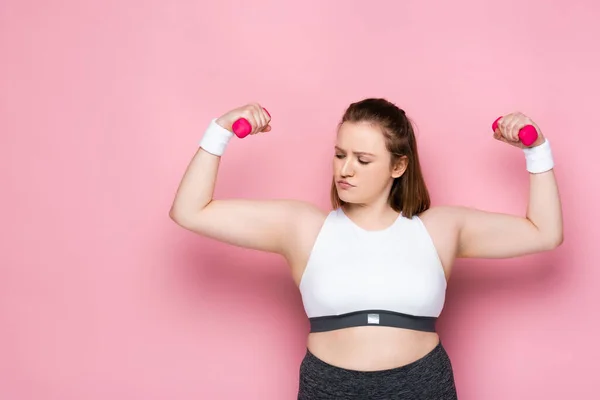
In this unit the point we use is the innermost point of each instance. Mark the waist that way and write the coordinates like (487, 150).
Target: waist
(371, 348)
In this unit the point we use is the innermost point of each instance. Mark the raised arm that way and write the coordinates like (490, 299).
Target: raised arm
(268, 225)
(497, 235)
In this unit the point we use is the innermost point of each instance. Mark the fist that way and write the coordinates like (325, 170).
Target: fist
(509, 126)
(258, 117)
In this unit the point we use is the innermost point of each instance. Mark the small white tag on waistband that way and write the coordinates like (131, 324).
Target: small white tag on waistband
(373, 318)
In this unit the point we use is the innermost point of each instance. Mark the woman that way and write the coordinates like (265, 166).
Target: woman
(373, 271)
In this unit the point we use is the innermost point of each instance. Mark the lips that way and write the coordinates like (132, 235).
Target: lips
(344, 184)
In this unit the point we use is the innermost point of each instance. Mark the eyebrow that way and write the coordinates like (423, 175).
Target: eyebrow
(358, 153)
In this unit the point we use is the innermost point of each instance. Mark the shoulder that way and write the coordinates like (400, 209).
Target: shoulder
(310, 217)
(307, 221)
(443, 224)
(305, 215)
(449, 216)
(306, 209)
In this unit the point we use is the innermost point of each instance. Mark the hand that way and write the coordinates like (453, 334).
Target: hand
(509, 126)
(258, 117)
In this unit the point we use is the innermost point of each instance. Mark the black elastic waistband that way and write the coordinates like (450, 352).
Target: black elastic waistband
(372, 317)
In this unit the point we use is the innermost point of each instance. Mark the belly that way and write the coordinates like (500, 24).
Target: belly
(369, 348)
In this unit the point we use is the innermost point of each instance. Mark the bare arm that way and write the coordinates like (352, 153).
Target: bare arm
(267, 225)
(496, 235)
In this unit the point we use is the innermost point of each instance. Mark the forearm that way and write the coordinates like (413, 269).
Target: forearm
(544, 209)
(197, 185)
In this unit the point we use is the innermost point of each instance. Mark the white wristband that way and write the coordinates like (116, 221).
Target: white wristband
(215, 138)
(539, 159)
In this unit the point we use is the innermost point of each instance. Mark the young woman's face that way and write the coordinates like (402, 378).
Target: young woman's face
(361, 166)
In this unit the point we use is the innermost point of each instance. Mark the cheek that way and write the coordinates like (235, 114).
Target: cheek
(337, 165)
(375, 177)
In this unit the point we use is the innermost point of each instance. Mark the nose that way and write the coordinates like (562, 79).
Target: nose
(347, 169)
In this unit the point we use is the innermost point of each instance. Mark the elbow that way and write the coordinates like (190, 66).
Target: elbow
(190, 220)
(554, 241)
(174, 215)
(177, 216)
(559, 240)
(185, 216)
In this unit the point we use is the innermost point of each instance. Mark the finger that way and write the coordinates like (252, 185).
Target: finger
(266, 117)
(518, 128)
(503, 123)
(267, 114)
(497, 134)
(500, 132)
(259, 123)
(248, 115)
(519, 124)
(510, 131)
(263, 118)
(501, 138)
(256, 125)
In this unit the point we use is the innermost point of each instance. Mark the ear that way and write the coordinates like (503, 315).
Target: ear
(400, 167)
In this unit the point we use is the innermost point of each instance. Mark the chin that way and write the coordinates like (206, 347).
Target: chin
(346, 197)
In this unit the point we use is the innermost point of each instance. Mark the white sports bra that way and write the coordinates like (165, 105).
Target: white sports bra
(391, 277)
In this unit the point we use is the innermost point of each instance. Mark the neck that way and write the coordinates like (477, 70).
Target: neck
(374, 215)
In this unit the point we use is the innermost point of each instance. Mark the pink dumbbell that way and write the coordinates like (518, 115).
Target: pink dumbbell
(527, 134)
(242, 127)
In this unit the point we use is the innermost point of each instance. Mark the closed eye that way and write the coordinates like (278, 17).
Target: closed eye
(363, 162)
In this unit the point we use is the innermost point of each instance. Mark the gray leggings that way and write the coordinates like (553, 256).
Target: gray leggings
(430, 377)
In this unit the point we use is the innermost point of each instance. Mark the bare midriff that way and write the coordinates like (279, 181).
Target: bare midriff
(371, 348)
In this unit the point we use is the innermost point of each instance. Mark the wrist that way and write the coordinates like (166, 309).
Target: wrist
(222, 123)
(539, 158)
(215, 138)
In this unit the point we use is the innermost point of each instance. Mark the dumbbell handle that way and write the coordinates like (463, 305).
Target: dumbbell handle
(527, 134)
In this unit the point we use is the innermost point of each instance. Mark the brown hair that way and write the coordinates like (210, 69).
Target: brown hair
(409, 193)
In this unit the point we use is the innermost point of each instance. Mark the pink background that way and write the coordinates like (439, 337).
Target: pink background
(102, 105)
